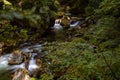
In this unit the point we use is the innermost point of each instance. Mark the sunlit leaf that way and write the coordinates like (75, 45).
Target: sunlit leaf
(7, 2)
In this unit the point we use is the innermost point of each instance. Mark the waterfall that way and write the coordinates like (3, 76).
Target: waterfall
(32, 64)
(57, 25)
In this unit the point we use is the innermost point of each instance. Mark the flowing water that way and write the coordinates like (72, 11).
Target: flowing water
(4, 66)
(75, 24)
(58, 26)
(4, 62)
(28, 48)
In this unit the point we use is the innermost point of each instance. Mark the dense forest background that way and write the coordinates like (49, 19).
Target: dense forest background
(91, 53)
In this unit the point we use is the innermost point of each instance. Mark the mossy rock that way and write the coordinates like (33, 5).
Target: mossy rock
(65, 23)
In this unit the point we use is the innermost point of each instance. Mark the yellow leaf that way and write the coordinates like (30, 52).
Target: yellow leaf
(7, 2)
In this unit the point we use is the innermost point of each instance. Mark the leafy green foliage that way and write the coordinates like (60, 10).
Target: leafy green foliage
(11, 34)
(106, 29)
(109, 7)
(77, 60)
(94, 55)
(24, 20)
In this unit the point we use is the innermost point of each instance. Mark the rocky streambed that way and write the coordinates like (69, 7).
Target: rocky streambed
(23, 62)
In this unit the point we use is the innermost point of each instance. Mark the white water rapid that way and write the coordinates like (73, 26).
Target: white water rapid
(4, 66)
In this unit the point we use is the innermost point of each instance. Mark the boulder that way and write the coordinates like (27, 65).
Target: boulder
(21, 74)
(15, 57)
(65, 23)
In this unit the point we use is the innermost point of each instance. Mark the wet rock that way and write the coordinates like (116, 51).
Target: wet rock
(39, 62)
(65, 22)
(15, 57)
(21, 74)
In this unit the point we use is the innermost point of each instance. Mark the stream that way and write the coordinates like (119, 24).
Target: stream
(27, 48)
(34, 49)
(57, 25)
